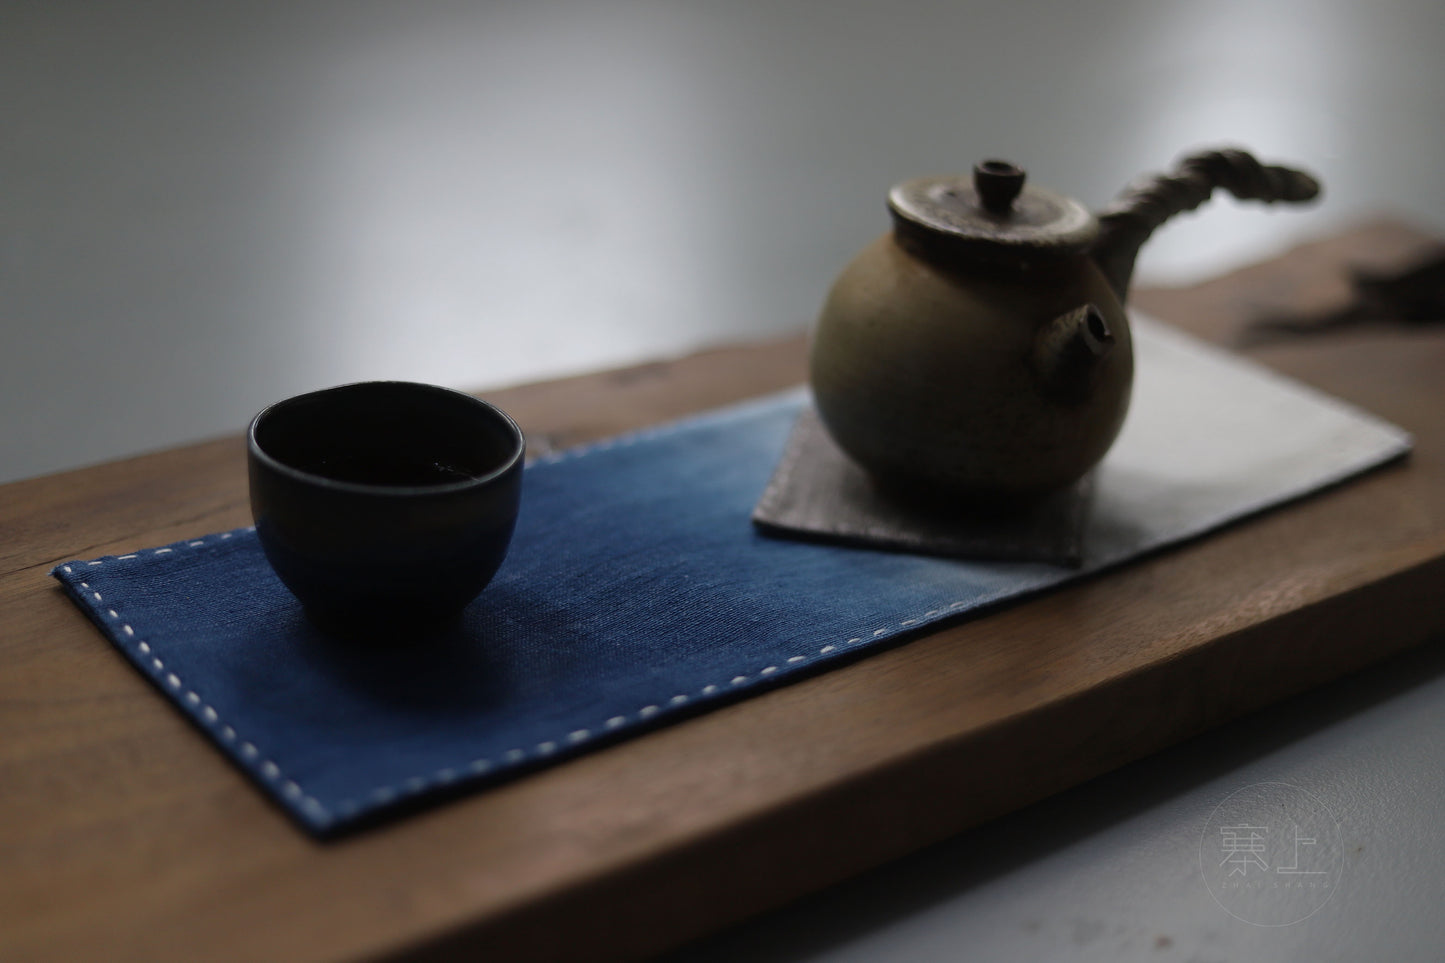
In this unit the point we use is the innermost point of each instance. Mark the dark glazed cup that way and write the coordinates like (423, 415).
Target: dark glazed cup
(385, 506)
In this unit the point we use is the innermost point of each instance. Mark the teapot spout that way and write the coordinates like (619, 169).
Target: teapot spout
(1069, 351)
(1126, 224)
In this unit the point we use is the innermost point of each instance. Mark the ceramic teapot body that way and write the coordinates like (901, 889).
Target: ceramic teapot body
(990, 383)
(981, 350)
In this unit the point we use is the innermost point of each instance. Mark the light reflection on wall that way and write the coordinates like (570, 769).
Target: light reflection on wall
(507, 198)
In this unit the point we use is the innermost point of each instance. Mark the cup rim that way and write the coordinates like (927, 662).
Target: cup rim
(519, 446)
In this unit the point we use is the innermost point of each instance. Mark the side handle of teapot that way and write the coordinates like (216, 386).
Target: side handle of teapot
(1150, 201)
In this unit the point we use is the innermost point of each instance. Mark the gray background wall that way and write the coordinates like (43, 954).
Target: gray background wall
(207, 206)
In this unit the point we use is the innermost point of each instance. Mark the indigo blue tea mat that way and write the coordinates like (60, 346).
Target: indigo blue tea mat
(637, 591)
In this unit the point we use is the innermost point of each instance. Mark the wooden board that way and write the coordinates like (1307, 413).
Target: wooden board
(124, 835)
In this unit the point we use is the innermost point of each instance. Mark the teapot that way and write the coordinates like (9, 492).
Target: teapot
(980, 352)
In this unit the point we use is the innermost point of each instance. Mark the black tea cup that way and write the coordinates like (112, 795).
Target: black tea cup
(384, 506)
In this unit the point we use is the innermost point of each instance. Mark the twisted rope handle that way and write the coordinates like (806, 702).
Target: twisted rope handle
(1150, 201)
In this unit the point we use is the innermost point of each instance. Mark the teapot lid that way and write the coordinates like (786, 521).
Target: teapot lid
(993, 218)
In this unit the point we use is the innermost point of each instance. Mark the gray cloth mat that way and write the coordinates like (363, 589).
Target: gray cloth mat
(819, 493)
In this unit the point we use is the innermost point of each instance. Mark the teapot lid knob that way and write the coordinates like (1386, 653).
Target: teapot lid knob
(997, 183)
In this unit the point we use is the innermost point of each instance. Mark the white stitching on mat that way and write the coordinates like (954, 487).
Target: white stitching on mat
(209, 716)
(384, 794)
(417, 784)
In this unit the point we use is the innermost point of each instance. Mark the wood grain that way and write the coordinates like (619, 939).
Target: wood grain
(123, 835)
